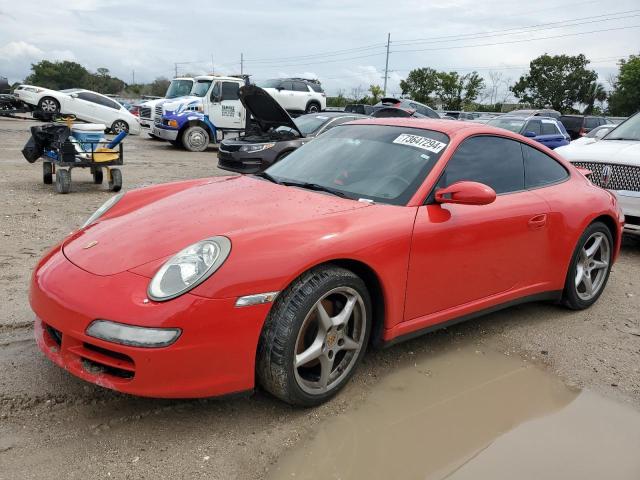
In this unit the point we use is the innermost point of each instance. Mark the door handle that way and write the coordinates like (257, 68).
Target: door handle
(538, 221)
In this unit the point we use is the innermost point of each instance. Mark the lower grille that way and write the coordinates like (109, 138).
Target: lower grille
(56, 335)
(612, 176)
(229, 147)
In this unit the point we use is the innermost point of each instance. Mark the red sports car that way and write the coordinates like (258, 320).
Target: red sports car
(375, 232)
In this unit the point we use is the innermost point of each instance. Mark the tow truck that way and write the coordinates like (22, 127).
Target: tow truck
(179, 87)
(215, 113)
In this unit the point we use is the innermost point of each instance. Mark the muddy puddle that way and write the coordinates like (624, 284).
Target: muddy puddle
(471, 414)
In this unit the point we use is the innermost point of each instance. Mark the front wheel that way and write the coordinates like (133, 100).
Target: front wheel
(195, 139)
(315, 336)
(115, 179)
(120, 126)
(590, 267)
(49, 105)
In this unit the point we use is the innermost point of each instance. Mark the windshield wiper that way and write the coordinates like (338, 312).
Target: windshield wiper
(271, 178)
(622, 138)
(316, 187)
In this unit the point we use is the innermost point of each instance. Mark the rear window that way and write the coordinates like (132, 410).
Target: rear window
(591, 122)
(549, 128)
(512, 124)
(316, 87)
(540, 169)
(572, 123)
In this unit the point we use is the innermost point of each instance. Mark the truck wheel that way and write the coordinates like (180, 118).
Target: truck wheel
(49, 105)
(63, 181)
(47, 173)
(115, 179)
(195, 139)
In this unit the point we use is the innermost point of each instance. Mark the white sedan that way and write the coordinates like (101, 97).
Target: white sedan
(614, 162)
(84, 104)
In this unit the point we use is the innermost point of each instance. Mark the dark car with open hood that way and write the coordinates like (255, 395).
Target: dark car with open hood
(273, 134)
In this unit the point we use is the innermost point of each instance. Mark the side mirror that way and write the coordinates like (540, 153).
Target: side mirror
(601, 133)
(73, 95)
(530, 134)
(466, 193)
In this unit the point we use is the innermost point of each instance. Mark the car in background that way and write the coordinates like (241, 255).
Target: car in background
(86, 105)
(614, 163)
(361, 108)
(595, 134)
(541, 112)
(297, 95)
(546, 130)
(579, 125)
(275, 134)
(407, 105)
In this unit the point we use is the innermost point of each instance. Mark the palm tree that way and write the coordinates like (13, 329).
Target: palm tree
(595, 93)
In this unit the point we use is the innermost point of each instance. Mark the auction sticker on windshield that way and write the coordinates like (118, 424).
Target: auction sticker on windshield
(420, 142)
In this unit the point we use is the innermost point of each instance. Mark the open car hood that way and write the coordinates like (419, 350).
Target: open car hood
(265, 109)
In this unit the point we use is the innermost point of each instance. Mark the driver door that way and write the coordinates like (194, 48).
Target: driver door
(226, 110)
(463, 255)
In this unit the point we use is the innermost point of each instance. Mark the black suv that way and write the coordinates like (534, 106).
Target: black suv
(579, 125)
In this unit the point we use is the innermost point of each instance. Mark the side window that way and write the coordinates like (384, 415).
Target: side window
(230, 91)
(590, 122)
(107, 102)
(549, 128)
(540, 169)
(300, 87)
(215, 92)
(533, 126)
(286, 85)
(89, 97)
(494, 161)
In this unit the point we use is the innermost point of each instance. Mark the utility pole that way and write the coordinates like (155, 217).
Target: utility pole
(241, 64)
(133, 77)
(212, 66)
(175, 65)
(386, 66)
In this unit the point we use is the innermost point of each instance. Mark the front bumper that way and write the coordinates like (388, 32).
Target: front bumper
(245, 162)
(629, 201)
(214, 355)
(170, 134)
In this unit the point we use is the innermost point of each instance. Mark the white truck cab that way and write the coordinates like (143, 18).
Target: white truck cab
(179, 87)
(212, 112)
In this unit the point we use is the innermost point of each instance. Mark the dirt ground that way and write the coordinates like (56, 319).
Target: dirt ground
(51, 422)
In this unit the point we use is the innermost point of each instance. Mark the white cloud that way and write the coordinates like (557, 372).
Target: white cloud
(19, 49)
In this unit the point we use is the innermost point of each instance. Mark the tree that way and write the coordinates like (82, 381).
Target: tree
(421, 85)
(102, 82)
(456, 91)
(595, 93)
(376, 93)
(58, 75)
(159, 86)
(559, 81)
(625, 98)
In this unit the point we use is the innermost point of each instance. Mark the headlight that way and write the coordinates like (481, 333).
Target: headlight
(103, 209)
(258, 147)
(131, 335)
(189, 268)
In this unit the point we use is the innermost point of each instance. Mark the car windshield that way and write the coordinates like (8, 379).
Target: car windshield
(179, 88)
(628, 130)
(201, 88)
(308, 124)
(385, 164)
(511, 124)
(275, 83)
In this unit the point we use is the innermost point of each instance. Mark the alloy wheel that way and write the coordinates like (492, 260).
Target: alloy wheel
(592, 266)
(120, 126)
(329, 341)
(48, 105)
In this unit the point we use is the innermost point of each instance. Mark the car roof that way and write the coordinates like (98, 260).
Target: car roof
(447, 127)
(333, 114)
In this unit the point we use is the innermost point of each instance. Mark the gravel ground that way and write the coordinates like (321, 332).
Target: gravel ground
(53, 422)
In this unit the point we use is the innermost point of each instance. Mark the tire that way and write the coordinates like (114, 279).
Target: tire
(313, 107)
(49, 105)
(293, 331)
(47, 173)
(120, 126)
(195, 139)
(115, 179)
(589, 268)
(63, 180)
(98, 176)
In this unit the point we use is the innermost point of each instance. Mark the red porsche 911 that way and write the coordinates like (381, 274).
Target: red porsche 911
(377, 231)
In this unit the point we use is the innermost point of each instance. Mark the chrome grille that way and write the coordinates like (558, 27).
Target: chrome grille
(145, 112)
(158, 110)
(621, 177)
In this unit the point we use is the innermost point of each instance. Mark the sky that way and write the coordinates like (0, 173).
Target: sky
(341, 43)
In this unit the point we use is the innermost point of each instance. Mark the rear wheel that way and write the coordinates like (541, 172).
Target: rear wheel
(115, 179)
(63, 180)
(590, 267)
(315, 336)
(195, 139)
(98, 176)
(47, 173)
(313, 107)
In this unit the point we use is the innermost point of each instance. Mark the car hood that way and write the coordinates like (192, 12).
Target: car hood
(156, 222)
(265, 109)
(622, 152)
(173, 104)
